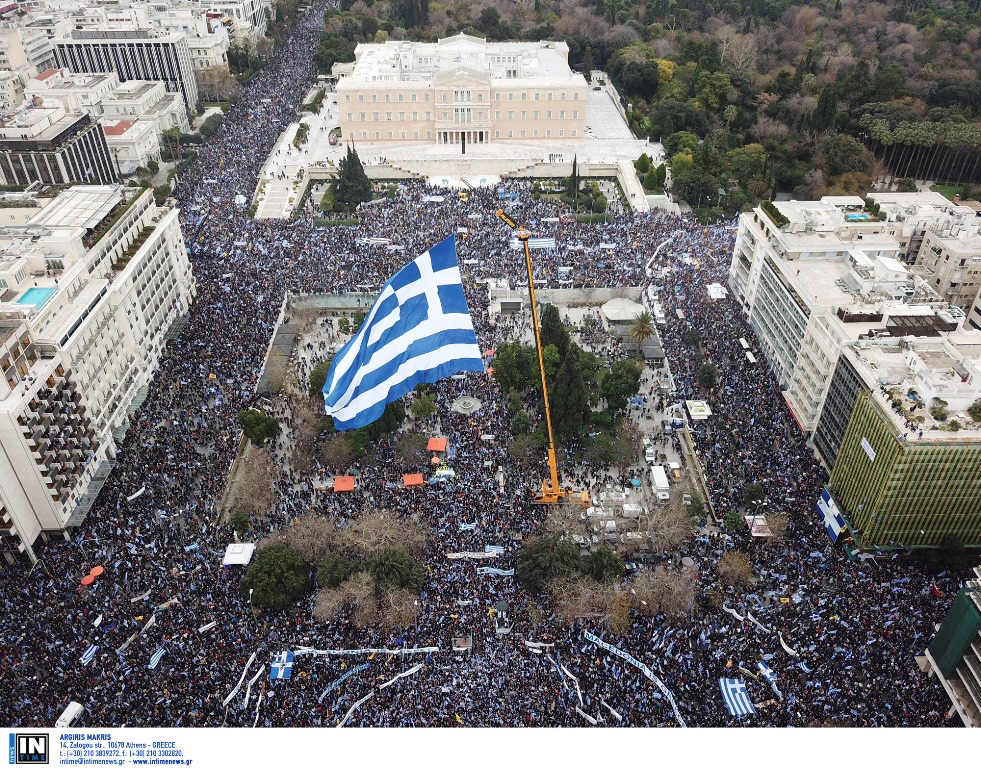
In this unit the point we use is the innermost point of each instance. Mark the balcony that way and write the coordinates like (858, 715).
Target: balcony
(126, 256)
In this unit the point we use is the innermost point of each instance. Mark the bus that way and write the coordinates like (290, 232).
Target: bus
(71, 716)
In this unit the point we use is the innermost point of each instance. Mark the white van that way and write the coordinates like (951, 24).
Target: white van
(71, 716)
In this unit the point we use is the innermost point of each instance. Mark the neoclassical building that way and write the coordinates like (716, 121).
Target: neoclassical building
(461, 89)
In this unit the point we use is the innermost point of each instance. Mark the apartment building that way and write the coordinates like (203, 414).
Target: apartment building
(898, 430)
(148, 101)
(77, 93)
(90, 289)
(246, 20)
(460, 90)
(24, 50)
(828, 273)
(53, 146)
(133, 54)
(11, 91)
(954, 655)
(133, 143)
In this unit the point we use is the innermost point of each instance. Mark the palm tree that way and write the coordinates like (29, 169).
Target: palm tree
(643, 327)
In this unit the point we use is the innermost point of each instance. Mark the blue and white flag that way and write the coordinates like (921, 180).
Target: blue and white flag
(494, 549)
(768, 674)
(88, 655)
(534, 243)
(736, 697)
(282, 666)
(418, 332)
(833, 520)
(468, 526)
(155, 659)
(496, 571)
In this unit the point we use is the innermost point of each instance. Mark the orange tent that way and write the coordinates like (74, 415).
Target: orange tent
(412, 480)
(436, 444)
(89, 578)
(343, 483)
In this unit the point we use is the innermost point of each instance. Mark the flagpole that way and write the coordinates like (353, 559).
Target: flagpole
(550, 493)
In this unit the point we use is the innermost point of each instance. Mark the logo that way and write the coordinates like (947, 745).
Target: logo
(28, 749)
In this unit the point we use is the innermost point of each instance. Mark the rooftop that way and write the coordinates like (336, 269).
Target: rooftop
(509, 63)
(118, 128)
(81, 206)
(915, 373)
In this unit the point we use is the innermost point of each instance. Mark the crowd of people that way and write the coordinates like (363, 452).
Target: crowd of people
(853, 629)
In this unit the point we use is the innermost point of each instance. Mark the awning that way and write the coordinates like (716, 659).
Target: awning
(412, 480)
(343, 483)
(436, 444)
(238, 554)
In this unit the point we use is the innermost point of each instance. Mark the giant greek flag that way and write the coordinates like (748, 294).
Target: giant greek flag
(418, 332)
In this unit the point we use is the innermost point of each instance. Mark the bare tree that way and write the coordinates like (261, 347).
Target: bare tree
(356, 594)
(337, 453)
(306, 427)
(768, 128)
(216, 84)
(669, 525)
(411, 449)
(664, 591)
(735, 570)
(577, 597)
(374, 531)
(310, 536)
(778, 527)
(399, 608)
(252, 489)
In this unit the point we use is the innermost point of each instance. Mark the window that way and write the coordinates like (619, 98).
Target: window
(575, 114)
(561, 132)
(497, 135)
(497, 115)
(548, 115)
(524, 96)
(549, 95)
(415, 115)
(536, 133)
(378, 134)
(522, 134)
(536, 114)
(388, 115)
(562, 96)
(537, 95)
(561, 114)
(362, 117)
(510, 134)
(524, 115)
(510, 97)
(388, 97)
(374, 97)
(510, 115)
(400, 97)
(374, 116)
(360, 97)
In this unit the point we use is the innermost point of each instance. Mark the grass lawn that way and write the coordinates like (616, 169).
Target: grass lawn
(949, 190)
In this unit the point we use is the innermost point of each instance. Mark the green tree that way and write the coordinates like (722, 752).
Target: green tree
(240, 520)
(824, 114)
(277, 576)
(257, 426)
(396, 569)
(844, 154)
(568, 399)
(350, 187)
(540, 560)
(643, 164)
(621, 383)
(650, 179)
(334, 569)
(706, 375)
(753, 494)
(572, 185)
(642, 328)
(210, 126)
(520, 423)
(318, 377)
(515, 366)
(603, 565)
(553, 331)
(423, 407)
(587, 64)
(734, 520)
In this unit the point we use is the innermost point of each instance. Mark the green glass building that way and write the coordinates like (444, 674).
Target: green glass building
(897, 491)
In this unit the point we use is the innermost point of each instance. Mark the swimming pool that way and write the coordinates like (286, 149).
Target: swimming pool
(857, 217)
(37, 297)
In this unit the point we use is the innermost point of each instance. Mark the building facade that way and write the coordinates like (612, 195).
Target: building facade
(147, 101)
(132, 55)
(90, 289)
(460, 91)
(954, 655)
(827, 274)
(77, 93)
(899, 434)
(133, 143)
(54, 147)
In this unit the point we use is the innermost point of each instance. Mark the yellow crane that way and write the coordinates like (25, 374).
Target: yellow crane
(551, 492)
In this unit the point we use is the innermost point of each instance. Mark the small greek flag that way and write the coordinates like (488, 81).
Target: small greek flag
(534, 243)
(155, 659)
(494, 549)
(88, 655)
(768, 674)
(418, 332)
(736, 697)
(373, 241)
(468, 526)
(282, 666)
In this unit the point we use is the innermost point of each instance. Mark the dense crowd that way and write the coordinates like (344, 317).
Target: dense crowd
(854, 627)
